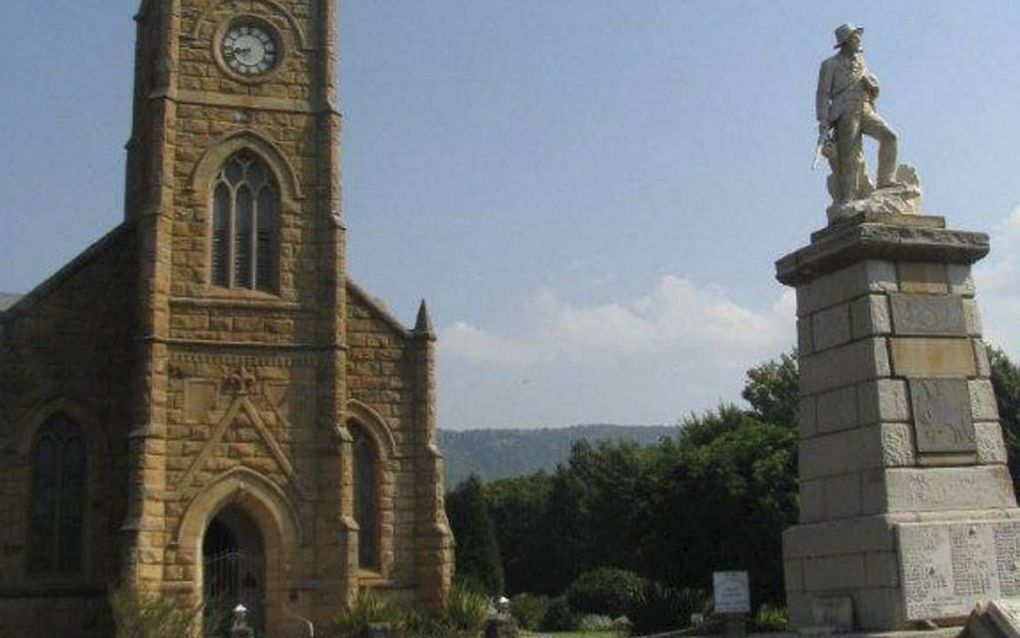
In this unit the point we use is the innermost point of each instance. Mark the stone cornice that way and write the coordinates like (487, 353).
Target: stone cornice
(889, 237)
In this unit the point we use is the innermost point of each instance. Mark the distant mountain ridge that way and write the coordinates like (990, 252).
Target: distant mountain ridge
(493, 454)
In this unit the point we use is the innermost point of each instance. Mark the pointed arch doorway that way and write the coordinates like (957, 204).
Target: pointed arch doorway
(233, 568)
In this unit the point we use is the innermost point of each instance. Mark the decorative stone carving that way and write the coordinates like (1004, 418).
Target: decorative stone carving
(239, 380)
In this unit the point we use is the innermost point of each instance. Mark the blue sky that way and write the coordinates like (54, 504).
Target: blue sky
(590, 193)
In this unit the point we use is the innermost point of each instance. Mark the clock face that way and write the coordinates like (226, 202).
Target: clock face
(249, 49)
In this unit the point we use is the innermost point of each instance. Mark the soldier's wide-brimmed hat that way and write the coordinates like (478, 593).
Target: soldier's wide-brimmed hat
(844, 31)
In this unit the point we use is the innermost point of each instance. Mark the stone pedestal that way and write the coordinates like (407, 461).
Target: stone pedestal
(907, 512)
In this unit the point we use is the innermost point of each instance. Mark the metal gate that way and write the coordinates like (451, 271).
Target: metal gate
(230, 578)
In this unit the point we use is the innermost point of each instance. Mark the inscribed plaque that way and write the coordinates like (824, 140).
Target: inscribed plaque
(731, 592)
(927, 315)
(947, 568)
(942, 415)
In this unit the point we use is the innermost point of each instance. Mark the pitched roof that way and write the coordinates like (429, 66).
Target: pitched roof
(8, 299)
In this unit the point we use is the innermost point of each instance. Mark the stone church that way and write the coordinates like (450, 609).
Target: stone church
(202, 404)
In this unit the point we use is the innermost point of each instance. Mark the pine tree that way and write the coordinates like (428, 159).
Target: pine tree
(478, 559)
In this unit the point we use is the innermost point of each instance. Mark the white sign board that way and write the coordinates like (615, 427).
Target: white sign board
(732, 593)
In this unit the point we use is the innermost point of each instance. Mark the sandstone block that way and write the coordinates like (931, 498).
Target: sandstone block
(841, 452)
(960, 280)
(837, 410)
(843, 496)
(984, 368)
(927, 315)
(812, 500)
(870, 316)
(982, 400)
(834, 572)
(883, 400)
(932, 357)
(844, 365)
(948, 488)
(807, 416)
(897, 445)
(930, 278)
(990, 446)
(880, 608)
(833, 538)
(805, 341)
(843, 285)
(831, 327)
(882, 569)
(972, 317)
(793, 574)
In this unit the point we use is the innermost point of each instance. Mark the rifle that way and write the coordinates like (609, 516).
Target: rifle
(823, 137)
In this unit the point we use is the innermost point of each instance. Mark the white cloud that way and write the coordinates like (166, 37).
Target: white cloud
(679, 348)
(676, 319)
(998, 286)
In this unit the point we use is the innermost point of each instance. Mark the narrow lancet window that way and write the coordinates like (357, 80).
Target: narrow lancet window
(366, 497)
(57, 518)
(245, 211)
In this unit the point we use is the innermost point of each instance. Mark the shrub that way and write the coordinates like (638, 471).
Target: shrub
(771, 618)
(608, 591)
(623, 626)
(664, 608)
(528, 610)
(559, 616)
(595, 622)
(140, 615)
(367, 609)
(420, 625)
(466, 610)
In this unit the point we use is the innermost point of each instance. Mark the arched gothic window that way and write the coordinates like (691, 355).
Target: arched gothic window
(366, 496)
(56, 526)
(245, 209)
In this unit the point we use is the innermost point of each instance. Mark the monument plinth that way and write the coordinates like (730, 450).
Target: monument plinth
(907, 512)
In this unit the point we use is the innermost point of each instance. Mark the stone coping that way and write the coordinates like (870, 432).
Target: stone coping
(889, 237)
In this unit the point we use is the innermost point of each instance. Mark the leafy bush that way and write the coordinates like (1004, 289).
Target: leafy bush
(623, 626)
(771, 618)
(140, 615)
(608, 591)
(559, 616)
(664, 608)
(466, 610)
(420, 625)
(595, 622)
(529, 610)
(367, 609)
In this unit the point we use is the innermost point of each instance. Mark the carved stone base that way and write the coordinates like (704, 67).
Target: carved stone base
(902, 198)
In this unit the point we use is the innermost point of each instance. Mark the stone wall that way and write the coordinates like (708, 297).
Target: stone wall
(66, 348)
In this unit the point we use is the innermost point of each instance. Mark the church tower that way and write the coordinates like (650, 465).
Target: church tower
(273, 424)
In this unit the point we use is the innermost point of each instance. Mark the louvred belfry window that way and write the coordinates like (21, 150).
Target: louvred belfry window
(56, 526)
(245, 211)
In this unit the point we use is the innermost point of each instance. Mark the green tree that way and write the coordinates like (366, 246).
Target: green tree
(1006, 382)
(518, 508)
(729, 499)
(772, 390)
(477, 553)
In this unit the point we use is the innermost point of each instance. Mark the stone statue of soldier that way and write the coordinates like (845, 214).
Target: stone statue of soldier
(845, 107)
